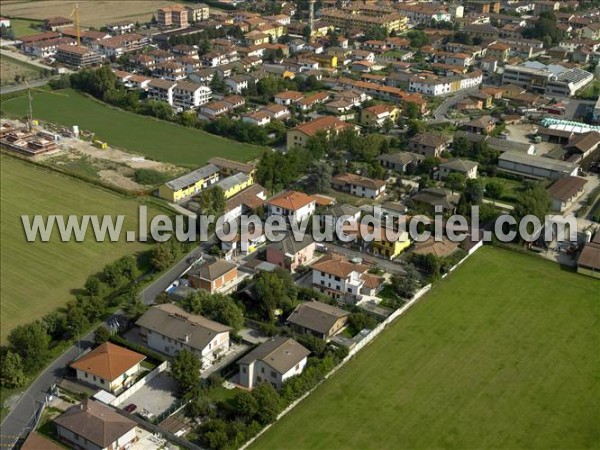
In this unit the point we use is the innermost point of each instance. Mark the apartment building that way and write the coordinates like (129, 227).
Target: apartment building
(359, 186)
(172, 16)
(47, 48)
(377, 115)
(161, 90)
(291, 205)
(77, 56)
(433, 85)
(189, 184)
(121, 44)
(188, 95)
(552, 80)
(300, 135)
(364, 19)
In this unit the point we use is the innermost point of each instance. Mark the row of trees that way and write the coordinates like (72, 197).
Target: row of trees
(29, 346)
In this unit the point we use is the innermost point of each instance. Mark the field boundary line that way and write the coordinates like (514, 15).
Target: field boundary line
(362, 344)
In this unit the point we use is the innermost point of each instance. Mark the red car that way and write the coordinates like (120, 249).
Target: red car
(131, 408)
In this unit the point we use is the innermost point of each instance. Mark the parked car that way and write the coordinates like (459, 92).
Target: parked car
(131, 408)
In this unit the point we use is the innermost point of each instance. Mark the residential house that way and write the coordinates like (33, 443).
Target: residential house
(591, 31)
(462, 166)
(359, 186)
(213, 276)
(288, 98)
(237, 83)
(229, 167)
(400, 162)
(338, 212)
(318, 319)
(275, 111)
(377, 115)
(300, 135)
(109, 367)
(291, 205)
(481, 125)
(189, 184)
(436, 197)
(428, 144)
(122, 27)
(57, 23)
(498, 51)
(290, 253)
(565, 191)
(588, 262)
(169, 329)
(36, 441)
(258, 118)
(438, 248)
(249, 199)
(213, 110)
(93, 425)
(274, 361)
(170, 70)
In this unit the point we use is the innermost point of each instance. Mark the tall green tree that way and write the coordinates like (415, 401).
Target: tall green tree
(30, 342)
(185, 369)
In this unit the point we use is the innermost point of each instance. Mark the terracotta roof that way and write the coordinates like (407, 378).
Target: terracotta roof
(214, 270)
(590, 256)
(291, 200)
(317, 316)
(249, 197)
(95, 422)
(338, 266)
(228, 164)
(322, 123)
(108, 361)
(279, 352)
(290, 95)
(350, 178)
(372, 281)
(585, 142)
(566, 188)
(440, 249)
(80, 50)
(380, 109)
(36, 441)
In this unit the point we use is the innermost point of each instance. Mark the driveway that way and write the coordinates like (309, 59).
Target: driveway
(156, 397)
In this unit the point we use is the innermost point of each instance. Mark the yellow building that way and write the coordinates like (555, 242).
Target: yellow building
(364, 20)
(235, 184)
(391, 249)
(257, 38)
(190, 184)
(275, 30)
(377, 115)
(326, 61)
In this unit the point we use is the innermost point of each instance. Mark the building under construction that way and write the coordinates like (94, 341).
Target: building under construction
(30, 143)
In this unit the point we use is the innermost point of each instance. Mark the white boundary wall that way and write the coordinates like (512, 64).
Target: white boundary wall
(378, 329)
(140, 384)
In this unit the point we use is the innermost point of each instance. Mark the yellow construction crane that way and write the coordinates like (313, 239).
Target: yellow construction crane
(30, 114)
(75, 13)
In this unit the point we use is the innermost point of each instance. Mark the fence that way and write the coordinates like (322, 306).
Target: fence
(140, 384)
(369, 338)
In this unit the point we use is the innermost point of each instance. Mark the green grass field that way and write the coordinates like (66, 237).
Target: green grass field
(11, 67)
(24, 27)
(502, 354)
(37, 277)
(159, 140)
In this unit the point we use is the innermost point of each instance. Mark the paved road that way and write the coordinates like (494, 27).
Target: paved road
(22, 87)
(20, 418)
(449, 102)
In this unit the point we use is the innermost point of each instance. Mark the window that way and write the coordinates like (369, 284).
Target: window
(244, 369)
(262, 370)
(273, 374)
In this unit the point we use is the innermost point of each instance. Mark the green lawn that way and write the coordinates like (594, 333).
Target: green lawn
(37, 277)
(23, 27)
(502, 354)
(156, 139)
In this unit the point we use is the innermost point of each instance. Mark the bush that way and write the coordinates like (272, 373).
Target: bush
(150, 177)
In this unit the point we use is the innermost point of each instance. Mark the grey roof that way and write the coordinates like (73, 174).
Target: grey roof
(429, 139)
(538, 161)
(233, 180)
(460, 165)
(437, 196)
(501, 145)
(291, 246)
(95, 422)
(193, 177)
(316, 316)
(401, 158)
(175, 323)
(279, 352)
(213, 270)
(343, 210)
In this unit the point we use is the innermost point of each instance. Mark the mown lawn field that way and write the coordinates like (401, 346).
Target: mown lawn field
(37, 277)
(159, 140)
(502, 354)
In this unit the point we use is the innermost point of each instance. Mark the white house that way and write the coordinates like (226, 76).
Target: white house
(462, 166)
(162, 90)
(237, 83)
(92, 425)
(274, 361)
(187, 95)
(338, 278)
(169, 329)
(291, 205)
(109, 367)
(259, 118)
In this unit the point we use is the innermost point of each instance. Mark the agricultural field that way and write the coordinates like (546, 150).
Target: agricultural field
(94, 13)
(11, 68)
(501, 354)
(37, 277)
(159, 140)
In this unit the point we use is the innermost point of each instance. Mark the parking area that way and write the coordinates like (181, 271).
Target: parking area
(156, 397)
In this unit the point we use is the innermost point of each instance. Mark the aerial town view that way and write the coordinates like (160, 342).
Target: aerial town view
(306, 224)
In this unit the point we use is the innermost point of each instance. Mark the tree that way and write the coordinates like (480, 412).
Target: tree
(185, 369)
(275, 290)
(494, 189)
(12, 374)
(246, 405)
(474, 191)
(415, 127)
(134, 307)
(30, 342)
(418, 38)
(407, 285)
(94, 287)
(319, 177)
(269, 403)
(306, 33)
(101, 335)
(455, 181)
(412, 110)
(218, 307)
(217, 84)
(533, 200)
(359, 321)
